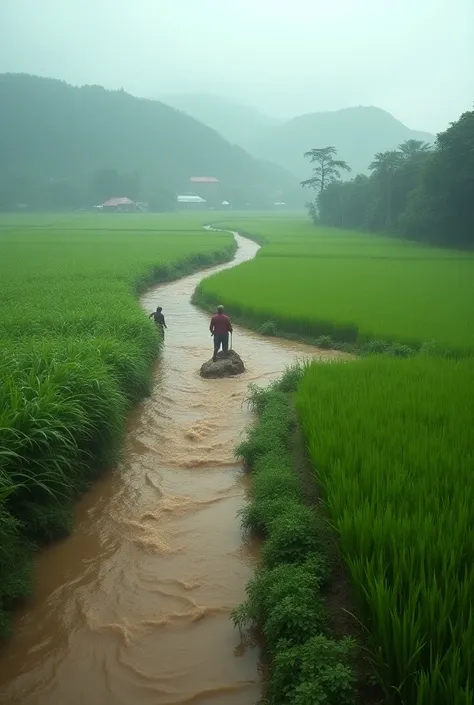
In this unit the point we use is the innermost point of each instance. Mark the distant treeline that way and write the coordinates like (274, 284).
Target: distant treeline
(56, 193)
(417, 191)
(68, 147)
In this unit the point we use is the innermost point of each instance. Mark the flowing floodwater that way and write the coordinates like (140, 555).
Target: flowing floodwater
(133, 608)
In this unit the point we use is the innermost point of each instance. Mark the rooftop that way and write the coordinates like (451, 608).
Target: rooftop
(204, 180)
(190, 199)
(122, 201)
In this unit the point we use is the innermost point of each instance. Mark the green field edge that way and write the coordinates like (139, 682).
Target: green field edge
(17, 550)
(326, 335)
(298, 603)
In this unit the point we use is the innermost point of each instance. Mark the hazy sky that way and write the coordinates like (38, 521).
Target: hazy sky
(414, 58)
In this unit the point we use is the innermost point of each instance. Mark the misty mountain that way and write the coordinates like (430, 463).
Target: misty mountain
(54, 133)
(239, 124)
(357, 133)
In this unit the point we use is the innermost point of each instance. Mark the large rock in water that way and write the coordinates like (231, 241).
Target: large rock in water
(226, 365)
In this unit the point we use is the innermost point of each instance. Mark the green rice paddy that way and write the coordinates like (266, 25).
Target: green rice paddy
(351, 286)
(76, 352)
(392, 444)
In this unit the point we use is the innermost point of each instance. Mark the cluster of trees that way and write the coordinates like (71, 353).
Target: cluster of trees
(418, 191)
(56, 193)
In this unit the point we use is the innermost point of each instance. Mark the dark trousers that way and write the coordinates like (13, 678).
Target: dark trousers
(221, 340)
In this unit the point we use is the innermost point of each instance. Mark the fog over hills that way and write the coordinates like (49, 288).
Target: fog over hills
(357, 133)
(56, 136)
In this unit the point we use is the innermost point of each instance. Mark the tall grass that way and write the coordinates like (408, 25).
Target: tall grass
(392, 443)
(76, 352)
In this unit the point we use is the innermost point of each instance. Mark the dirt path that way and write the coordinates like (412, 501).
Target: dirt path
(133, 608)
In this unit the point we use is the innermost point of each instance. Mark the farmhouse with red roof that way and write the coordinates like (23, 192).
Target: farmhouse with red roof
(208, 187)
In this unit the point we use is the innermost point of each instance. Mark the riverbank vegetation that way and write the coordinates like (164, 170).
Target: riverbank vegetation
(76, 352)
(285, 599)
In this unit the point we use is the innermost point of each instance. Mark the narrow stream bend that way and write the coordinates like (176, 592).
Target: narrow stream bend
(133, 608)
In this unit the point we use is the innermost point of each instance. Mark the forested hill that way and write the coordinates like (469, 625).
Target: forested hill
(357, 133)
(240, 124)
(59, 142)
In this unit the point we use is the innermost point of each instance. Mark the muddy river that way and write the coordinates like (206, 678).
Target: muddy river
(133, 608)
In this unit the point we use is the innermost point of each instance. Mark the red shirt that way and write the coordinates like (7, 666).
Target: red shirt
(220, 324)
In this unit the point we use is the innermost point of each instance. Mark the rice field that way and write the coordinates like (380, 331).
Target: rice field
(392, 442)
(76, 352)
(350, 286)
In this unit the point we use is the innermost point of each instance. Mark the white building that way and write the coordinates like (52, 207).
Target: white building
(191, 201)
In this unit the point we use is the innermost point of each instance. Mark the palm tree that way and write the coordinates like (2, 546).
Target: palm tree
(327, 168)
(412, 148)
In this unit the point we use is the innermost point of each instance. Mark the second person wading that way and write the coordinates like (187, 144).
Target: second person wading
(220, 328)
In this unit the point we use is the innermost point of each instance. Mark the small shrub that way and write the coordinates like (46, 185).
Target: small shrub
(274, 479)
(257, 516)
(241, 616)
(344, 347)
(48, 521)
(268, 328)
(317, 672)
(15, 568)
(256, 445)
(291, 377)
(375, 347)
(294, 618)
(324, 341)
(400, 350)
(293, 536)
(429, 348)
(272, 433)
(269, 588)
(258, 398)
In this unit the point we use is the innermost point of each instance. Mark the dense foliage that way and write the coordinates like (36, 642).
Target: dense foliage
(69, 147)
(421, 193)
(76, 352)
(284, 600)
(392, 443)
(351, 286)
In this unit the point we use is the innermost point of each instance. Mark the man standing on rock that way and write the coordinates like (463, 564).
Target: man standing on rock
(220, 328)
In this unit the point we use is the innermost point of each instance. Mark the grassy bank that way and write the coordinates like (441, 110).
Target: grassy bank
(286, 597)
(349, 288)
(392, 445)
(76, 353)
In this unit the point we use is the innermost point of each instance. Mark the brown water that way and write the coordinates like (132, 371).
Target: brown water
(133, 608)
